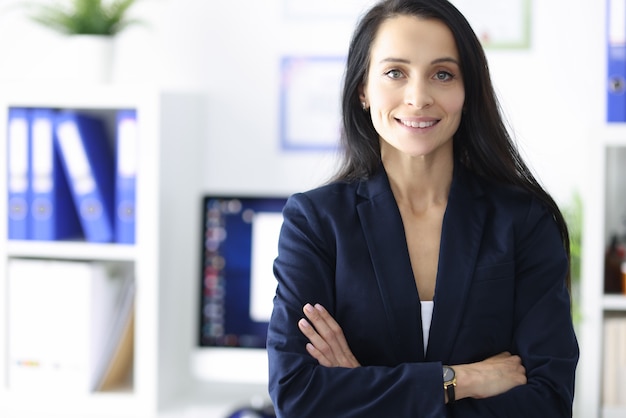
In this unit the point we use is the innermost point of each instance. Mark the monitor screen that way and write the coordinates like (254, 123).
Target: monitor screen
(237, 285)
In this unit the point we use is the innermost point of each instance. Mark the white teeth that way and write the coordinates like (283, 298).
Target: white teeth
(418, 124)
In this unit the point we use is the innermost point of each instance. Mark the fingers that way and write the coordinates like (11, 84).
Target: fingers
(315, 340)
(325, 338)
(328, 343)
(327, 327)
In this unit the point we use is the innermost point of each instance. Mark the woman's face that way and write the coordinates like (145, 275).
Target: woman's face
(414, 87)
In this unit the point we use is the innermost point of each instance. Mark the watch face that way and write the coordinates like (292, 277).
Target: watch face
(448, 374)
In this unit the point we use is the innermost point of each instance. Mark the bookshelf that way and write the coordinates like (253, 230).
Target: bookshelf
(605, 214)
(164, 258)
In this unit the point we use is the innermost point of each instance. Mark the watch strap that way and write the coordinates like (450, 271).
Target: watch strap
(450, 389)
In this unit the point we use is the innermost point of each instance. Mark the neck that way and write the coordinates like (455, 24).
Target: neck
(420, 183)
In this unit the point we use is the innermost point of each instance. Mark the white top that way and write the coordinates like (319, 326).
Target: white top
(427, 316)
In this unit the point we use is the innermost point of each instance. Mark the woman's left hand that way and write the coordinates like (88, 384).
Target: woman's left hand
(327, 343)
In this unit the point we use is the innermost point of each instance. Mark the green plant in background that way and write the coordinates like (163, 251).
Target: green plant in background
(573, 214)
(84, 17)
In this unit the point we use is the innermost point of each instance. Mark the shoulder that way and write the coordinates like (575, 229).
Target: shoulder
(495, 193)
(514, 204)
(319, 215)
(506, 195)
(329, 198)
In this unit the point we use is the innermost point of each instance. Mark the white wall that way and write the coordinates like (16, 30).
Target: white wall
(553, 93)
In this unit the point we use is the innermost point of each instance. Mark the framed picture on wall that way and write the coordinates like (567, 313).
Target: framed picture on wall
(310, 89)
(500, 24)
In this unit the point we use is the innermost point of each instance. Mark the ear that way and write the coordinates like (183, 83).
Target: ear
(363, 95)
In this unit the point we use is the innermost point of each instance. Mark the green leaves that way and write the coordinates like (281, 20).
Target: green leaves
(86, 17)
(573, 214)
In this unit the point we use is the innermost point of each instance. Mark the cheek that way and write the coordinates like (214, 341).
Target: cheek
(380, 106)
(380, 111)
(454, 103)
(453, 107)
(380, 97)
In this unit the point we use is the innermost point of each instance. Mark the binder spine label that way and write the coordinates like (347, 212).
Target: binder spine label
(18, 152)
(42, 156)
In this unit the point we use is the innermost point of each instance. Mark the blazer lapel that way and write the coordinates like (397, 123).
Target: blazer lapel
(460, 241)
(384, 233)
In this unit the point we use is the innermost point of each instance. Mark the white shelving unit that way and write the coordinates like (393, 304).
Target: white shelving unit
(605, 213)
(165, 256)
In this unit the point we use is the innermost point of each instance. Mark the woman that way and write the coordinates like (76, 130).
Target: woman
(434, 259)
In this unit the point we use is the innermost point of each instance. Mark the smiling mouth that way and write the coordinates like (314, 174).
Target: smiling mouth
(420, 124)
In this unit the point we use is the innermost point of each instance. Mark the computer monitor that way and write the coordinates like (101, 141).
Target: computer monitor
(239, 243)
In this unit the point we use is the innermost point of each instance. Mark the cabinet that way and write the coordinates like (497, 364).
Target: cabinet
(605, 214)
(165, 257)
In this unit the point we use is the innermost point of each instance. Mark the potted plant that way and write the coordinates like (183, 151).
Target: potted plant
(90, 26)
(85, 17)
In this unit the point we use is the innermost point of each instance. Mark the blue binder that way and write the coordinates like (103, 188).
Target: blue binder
(18, 172)
(52, 212)
(616, 61)
(87, 161)
(125, 177)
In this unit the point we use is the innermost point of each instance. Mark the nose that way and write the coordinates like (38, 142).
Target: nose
(418, 94)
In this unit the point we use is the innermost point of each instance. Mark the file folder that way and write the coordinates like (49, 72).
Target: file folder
(61, 317)
(616, 61)
(125, 178)
(18, 173)
(87, 160)
(52, 212)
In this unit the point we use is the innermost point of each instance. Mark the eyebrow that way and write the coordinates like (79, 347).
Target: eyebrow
(435, 61)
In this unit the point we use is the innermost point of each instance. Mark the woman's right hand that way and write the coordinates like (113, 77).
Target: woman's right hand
(489, 377)
(327, 344)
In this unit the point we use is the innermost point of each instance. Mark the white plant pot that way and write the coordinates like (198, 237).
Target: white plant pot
(88, 59)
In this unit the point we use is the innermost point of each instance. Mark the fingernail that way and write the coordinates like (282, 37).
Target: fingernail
(304, 323)
(308, 307)
(319, 307)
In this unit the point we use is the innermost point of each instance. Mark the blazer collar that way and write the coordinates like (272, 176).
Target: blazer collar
(384, 233)
(460, 239)
(461, 234)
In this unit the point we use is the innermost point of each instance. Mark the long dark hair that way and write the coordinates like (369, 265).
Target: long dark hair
(482, 142)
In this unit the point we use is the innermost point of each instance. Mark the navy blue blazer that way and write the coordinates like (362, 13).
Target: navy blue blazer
(500, 287)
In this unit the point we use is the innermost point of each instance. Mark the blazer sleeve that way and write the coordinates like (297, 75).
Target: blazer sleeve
(298, 385)
(543, 335)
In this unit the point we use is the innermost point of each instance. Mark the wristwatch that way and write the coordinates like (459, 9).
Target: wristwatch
(449, 382)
